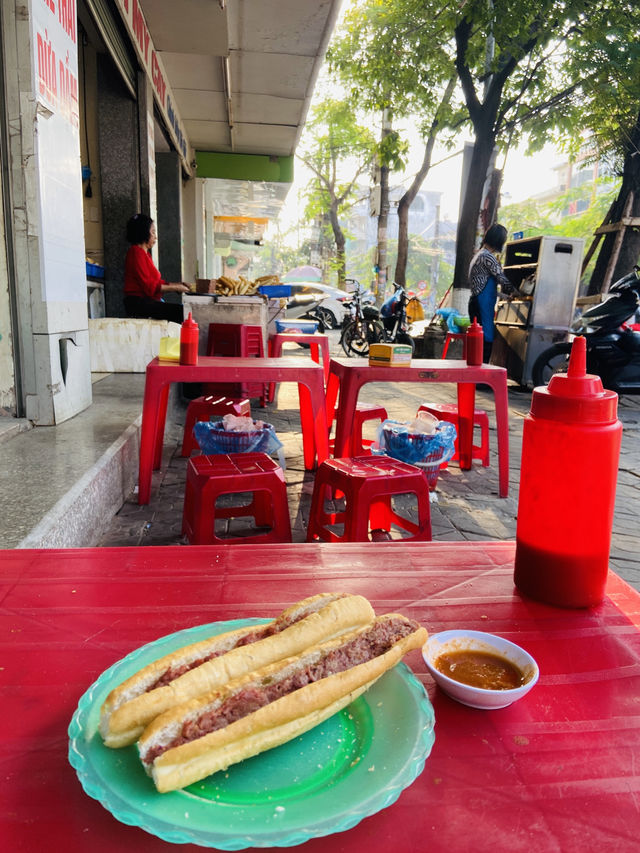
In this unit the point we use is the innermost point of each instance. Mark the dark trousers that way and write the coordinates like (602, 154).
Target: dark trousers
(153, 309)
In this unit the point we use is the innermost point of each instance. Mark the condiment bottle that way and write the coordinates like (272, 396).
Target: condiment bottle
(474, 342)
(189, 341)
(570, 454)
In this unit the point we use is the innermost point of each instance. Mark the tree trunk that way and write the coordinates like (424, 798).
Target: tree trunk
(629, 250)
(403, 212)
(383, 220)
(409, 197)
(383, 216)
(338, 236)
(400, 276)
(471, 204)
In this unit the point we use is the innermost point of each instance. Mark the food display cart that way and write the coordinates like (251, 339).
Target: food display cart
(546, 271)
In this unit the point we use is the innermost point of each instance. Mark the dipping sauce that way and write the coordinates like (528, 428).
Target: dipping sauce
(480, 669)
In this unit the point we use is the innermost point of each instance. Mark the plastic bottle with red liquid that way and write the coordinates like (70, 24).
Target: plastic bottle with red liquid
(570, 455)
(189, 341)
(474, 343)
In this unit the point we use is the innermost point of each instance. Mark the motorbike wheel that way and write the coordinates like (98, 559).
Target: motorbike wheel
(404, 338)
(355, 338)
(375, 331)
(553, 360)
(327, 318)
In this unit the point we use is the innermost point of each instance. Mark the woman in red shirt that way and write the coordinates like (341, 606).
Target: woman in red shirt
(143, 284)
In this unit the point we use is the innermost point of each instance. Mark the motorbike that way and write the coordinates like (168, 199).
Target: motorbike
(361, 327)
(395, 319)
(613, 347)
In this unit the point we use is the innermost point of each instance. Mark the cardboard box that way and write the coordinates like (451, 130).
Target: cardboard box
(390, 355)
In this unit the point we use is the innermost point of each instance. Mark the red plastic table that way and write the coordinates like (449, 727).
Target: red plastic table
(347, 376)
(557, 771)
(160, 375)
(318, 343)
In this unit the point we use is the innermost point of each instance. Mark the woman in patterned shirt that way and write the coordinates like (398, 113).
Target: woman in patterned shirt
(485, 274)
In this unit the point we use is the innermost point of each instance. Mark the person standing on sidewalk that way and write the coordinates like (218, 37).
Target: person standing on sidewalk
(143, 284)
(485, 275)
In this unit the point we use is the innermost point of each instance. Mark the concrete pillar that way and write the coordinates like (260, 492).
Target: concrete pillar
(191, 228)
(169, 223)
(120, 171)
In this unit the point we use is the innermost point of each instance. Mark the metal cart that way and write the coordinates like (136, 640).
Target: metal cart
(546, 271)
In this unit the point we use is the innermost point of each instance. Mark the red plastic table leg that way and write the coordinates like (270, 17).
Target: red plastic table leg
(466, 406)
(502, 426)
(346, 409)
(161, 419)
(150, 436)
(333, 386)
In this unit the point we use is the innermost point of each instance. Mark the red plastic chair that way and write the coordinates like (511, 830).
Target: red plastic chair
(210, 477)
(455, 336)
(449, 412)
(368, 484)
(202, 409)
(318, 345)
(236, 339)
(359, 446)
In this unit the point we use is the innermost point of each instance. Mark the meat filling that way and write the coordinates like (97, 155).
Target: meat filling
(365, 647)
(259, 633)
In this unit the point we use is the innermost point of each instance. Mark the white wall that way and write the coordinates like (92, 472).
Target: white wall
(48, 216)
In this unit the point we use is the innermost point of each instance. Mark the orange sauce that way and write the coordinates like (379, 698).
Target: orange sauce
(480, 669)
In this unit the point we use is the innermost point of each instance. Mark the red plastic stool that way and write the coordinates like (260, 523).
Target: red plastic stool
(367, 483)
(202, 408)
(359, 446)
(240, 340)
(449, 412)
(210, 477)
(365, 412)
(455, 336)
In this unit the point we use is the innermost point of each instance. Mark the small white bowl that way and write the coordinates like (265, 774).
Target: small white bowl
(478, 697)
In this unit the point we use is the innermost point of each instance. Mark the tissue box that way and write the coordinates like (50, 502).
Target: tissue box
(169, 349)
(390, 355)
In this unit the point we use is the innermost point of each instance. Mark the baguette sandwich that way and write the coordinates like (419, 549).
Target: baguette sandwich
(212, 663)
(273, 705)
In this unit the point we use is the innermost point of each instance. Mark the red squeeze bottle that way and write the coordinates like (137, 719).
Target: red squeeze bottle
(474, 341)
(570, 454)
(189, 341)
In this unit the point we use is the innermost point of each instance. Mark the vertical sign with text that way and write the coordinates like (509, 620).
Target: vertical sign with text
(55, 45)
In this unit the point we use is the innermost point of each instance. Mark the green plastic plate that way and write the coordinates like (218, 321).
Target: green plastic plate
(351, 766)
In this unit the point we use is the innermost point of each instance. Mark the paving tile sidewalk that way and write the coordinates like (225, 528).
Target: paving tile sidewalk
(466, 507)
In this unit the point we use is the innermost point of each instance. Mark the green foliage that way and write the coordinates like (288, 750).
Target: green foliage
(337, 149)
(534, 217)
(391, 55)
(605, 56)
(424, 264)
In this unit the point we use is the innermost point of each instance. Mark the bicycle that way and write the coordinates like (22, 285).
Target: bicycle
(362, 327)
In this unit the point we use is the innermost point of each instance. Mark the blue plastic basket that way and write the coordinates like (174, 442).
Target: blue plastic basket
(275, 290)
(307, 327)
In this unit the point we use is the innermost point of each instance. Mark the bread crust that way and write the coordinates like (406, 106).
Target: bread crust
(272, 724)
(131, 706)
